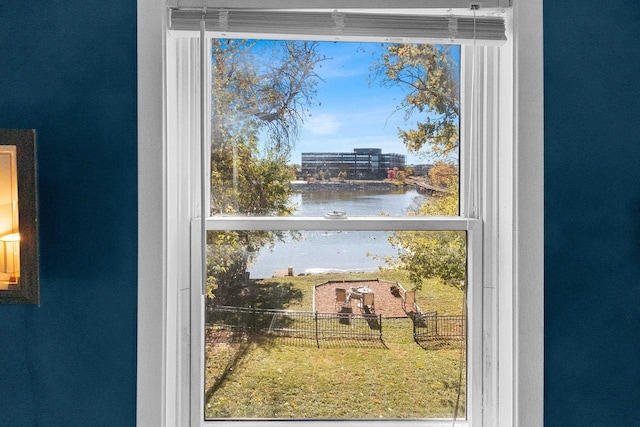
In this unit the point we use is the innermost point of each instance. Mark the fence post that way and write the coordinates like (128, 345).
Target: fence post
(415, 331)
(380, 322)
(254, 321)
(316, 322)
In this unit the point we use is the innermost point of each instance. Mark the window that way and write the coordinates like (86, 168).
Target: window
(343, 355)
(172, 403)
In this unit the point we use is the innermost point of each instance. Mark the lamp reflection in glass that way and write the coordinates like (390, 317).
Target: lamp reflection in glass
(11, 248)
(18, 219)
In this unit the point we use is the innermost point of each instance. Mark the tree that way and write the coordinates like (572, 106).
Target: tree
(444, 174)
(267, 85)
(433, 254)
(261, 92)
(429, 75)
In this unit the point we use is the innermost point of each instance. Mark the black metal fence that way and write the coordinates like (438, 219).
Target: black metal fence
(296, 325)
(432, 327)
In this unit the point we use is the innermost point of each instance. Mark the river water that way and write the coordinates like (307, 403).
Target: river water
(335, 251)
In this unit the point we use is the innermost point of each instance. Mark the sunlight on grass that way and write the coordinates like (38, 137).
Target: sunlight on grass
(268, 378)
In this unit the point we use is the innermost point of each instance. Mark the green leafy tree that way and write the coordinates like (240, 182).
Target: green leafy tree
(429, 76)
(261, 92)
(433, 254)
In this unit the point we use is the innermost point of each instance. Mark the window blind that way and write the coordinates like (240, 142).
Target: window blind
(339, 25)
(340, 4)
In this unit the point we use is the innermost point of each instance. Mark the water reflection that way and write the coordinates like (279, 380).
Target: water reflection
(336, 251)
(356, 203)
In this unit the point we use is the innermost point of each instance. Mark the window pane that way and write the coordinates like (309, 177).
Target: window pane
(293, 119)
(348, 324)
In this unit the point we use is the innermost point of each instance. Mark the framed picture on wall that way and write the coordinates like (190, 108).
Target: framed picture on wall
(19, 271)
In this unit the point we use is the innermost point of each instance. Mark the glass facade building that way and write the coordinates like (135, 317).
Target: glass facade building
(361, 163)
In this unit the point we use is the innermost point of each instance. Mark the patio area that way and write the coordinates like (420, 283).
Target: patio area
(386, 304)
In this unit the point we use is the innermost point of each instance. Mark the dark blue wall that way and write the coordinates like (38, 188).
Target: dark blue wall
(68, 70)
(592, 213)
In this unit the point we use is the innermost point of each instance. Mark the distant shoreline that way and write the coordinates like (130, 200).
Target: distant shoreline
(303, 186)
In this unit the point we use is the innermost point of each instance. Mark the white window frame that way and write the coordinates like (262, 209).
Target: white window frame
(473, 228)
(512, 361)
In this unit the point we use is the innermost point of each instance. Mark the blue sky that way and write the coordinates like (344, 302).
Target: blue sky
(353, 113)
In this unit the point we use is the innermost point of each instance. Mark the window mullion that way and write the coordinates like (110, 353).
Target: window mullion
(355, 223)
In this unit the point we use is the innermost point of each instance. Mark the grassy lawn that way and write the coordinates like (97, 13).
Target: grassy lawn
(396, 378)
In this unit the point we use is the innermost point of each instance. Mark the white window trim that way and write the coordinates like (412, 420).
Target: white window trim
(517, 254)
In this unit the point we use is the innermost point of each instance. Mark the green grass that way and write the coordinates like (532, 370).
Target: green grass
(267, 378)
